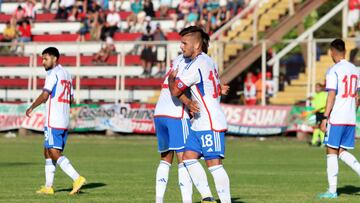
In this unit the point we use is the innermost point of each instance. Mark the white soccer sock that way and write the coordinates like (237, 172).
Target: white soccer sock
(332, 171)
(66, 166)
(185, 184)
(162, 176)
(198, 176)
(50, 167)
(222, 183)
(351, 161)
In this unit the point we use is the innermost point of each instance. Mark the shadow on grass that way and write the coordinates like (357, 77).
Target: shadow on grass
(85, 187)
(349, 189)
(233, 200)
(12, 164)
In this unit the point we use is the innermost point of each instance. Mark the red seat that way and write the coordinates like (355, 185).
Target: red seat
(14, 61)
(119, 36)
(55, 38)
(130, 60)
(91, 83)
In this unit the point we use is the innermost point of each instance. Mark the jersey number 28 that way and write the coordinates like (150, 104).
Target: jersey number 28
(65, 94)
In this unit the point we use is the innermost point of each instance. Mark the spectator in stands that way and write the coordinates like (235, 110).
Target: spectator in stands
(106, 50)
(269, 85)
(30, 10)
(160, 51)
(136, 17)
(111, 25)
(72, 16)
(65, 7)
(283, 81)
(223, 16)
(85, 27)
(97, 21)
(192, 18)
(9, 32)
(182, 11)
(24, 31)
(147, 54)
(93, 6)
(235, 5)
(46, 5)
(19, 14)
(104, 4)
(164, 7)
(0, 5)
(149, 8)
(353, 15)
(250, 89)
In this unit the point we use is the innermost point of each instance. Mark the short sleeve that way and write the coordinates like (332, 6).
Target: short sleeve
(188, 76)
(331, 80)
(50, 82)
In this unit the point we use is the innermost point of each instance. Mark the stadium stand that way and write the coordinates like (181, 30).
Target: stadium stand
(21, 73)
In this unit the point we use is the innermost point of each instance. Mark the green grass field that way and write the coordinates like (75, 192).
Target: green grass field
(122, 169)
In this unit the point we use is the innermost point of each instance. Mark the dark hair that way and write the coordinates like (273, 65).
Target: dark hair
(338, 45)
(204, 36)
(52, 51)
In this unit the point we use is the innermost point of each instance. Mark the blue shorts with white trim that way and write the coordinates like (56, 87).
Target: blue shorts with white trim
(171, 133)
(340, 136)
(209, 144)
(55, 138)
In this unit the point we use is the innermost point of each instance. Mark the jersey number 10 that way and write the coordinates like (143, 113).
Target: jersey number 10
(350, 90)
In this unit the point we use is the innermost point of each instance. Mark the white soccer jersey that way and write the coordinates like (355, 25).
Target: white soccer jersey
(59, 85)
(201, 75)
(167, 105)
(343, 78)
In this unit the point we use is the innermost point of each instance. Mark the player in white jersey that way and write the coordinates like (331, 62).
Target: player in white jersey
(342, 83)
(172, 125)
(207, 138)
(58, 94)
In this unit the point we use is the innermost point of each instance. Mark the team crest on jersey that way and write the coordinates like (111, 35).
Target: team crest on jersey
(180, 85)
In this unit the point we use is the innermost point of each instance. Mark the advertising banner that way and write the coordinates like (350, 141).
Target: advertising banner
(138, 118)
(256, 120)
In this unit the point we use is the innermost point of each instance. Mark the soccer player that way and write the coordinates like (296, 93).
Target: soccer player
(58, 94)
(207, 137)
(172, 125)
(342, 83)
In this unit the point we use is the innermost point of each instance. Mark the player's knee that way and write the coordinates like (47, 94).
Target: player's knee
(54, 154)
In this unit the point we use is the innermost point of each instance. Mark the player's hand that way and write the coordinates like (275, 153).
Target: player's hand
(193, 107)
(323, 125)
(29, 111)
(225, 89)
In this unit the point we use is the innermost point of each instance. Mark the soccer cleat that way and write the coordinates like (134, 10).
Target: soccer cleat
(78, 183)
(327, 195)
(45, 190)
(208, 200)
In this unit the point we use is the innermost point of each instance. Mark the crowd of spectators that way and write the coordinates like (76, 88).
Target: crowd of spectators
(18, 29)
(211, 14)
(100, 20)
(253, 88)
